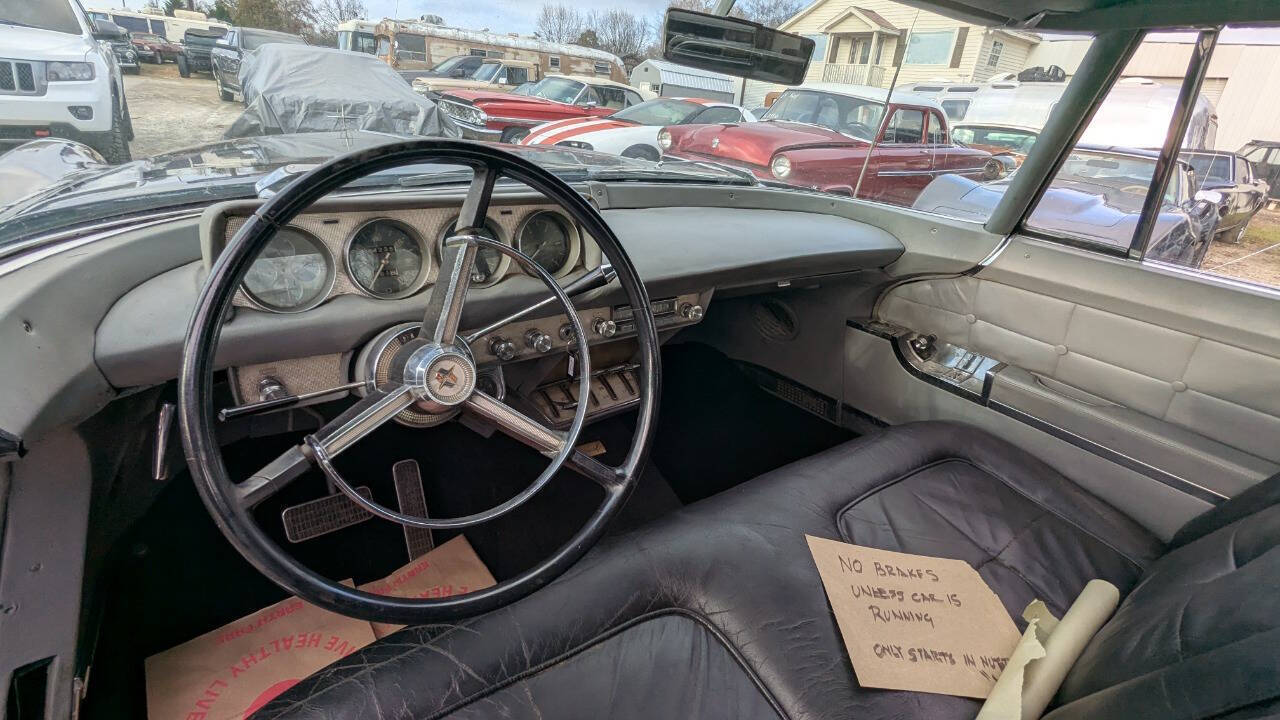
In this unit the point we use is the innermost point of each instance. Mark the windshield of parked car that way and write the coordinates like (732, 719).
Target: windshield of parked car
(1209, 168)
(1018, 141)
(254, 40)
(663, 111)
(486, 72)
(449, 64)
(53, 15)
(559, 89)
(844, 114)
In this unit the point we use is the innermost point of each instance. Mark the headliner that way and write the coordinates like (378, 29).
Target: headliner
(1096, 15)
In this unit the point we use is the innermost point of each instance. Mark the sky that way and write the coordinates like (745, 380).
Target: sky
(519, 16)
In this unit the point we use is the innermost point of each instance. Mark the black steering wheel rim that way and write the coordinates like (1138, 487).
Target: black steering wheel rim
(196, 411)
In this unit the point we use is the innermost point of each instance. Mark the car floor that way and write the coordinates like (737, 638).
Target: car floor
(175, 577)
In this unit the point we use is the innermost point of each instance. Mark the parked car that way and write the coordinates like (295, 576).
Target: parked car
(229, 50)
(1097, 196)
(117, 38)
(197, 51)
(155, 49)
(60, 78)
(495, 75)
(633, 131)
(818, 135)
(1264, 156)
(1231, 176)
(507, 117)
(292, 88)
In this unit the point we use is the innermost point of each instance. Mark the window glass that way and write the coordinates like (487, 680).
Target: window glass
(157, 27)
(1237, 234)
(602, 68)
(486, 72)
(929, 48)
(718, 115)
(955, 109)
(993, 58)
(132, 24)
(384, 46)
(558, 89)
(662, 111)
(478, 53)
(554, 62)
(516, 75)
(937, 129)
(904, 127)
(846, 114)
(1098, 194)
(610, 97)
(819, 46)
(411, 46)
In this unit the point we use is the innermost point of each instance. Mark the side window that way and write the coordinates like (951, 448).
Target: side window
(937, 129)
(717, 115)
(610, 97)
(157, 27)
(906, 126)
(512, 75)
(633, 98)
(1243, 175)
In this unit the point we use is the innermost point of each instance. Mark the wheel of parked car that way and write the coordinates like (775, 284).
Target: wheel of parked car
(434, 373)
(184, 68)
(115, 148)
(514, 135)
(223, 92)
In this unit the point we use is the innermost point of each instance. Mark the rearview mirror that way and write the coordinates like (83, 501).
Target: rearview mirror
(735, 47)
(107, 30)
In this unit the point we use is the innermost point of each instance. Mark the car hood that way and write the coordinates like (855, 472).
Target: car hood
(21, 42)
(481, 98)
(441, 84)
(756, 142)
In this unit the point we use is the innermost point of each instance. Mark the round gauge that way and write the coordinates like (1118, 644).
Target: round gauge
(294, 272)
(489, 262)
(387, 259)
(548, 238)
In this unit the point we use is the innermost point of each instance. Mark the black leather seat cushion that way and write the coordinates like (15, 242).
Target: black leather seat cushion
(718, 611)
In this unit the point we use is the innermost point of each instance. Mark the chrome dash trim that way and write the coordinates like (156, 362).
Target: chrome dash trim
(991, 256)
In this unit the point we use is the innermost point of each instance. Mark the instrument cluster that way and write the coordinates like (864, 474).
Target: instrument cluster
(395, 254)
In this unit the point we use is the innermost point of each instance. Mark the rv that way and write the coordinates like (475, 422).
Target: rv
(358, 36)
(169, 27)
(417, 46)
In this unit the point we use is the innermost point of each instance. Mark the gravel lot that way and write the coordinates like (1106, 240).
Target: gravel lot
(171, 112)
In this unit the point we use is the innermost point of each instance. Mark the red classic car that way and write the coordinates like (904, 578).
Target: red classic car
(484, 115)
(153, 48)
(818, 136)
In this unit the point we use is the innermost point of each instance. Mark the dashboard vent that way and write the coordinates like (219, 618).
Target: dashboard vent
(775, 320)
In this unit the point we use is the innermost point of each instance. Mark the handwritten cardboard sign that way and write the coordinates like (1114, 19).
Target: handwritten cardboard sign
(234, 670)
(453, 568)
(912, 622)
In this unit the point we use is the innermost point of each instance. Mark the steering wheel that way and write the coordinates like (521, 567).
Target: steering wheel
(435, 373)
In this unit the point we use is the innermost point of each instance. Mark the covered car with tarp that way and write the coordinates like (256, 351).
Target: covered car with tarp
(299, 88)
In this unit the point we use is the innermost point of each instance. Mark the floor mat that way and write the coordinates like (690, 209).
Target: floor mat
(717, 428)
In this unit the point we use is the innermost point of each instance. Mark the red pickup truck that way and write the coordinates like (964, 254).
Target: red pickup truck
(484, 115)
(819, 136)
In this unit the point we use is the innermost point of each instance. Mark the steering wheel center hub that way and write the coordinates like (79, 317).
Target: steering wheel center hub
(440, 377)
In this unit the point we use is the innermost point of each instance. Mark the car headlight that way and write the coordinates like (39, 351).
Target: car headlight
(60, 71)
(781, 167)
(664, 139)
(131, 55)
(469, 114)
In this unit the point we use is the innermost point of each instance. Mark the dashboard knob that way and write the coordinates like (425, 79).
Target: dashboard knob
(689, 311)
(538, 340)
(270, 388)
(502, 349)
(566, 332)
(604, 327)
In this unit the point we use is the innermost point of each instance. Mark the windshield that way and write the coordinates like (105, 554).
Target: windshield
(1209, 168)
(53, 15)
(844, 114)
(559, 89)
(486, 72)
(664, 111)
(1018, 141)
(449, 64)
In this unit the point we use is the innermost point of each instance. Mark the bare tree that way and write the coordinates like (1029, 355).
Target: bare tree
(331, 13)
(771, 13)
(559, 23)
(621, 33)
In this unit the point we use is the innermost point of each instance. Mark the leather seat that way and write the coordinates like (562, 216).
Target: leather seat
(717, 611)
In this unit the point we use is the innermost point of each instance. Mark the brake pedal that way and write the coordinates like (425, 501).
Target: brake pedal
(331, 513)
(413, 501)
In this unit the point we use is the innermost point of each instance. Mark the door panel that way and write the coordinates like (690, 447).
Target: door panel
(1174, 373)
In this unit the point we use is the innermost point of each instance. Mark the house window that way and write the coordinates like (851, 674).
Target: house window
(602, 68)
(819, 46)
(929, 48)
(479, 53)
(993, 58)
(554, 62)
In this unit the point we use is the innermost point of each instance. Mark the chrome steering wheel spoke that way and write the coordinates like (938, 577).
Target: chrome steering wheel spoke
(444, 305)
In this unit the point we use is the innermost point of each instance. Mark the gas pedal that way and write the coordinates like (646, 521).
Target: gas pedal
(413, 501)
(312, 519)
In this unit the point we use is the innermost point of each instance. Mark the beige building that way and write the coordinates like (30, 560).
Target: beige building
(864, 42)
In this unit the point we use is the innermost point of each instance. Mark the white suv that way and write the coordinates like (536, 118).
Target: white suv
(59, 78)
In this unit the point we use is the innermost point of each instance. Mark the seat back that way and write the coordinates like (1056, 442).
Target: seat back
(1199, 636)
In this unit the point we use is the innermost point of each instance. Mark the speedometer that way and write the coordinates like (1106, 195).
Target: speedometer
(489, 262)
(387, 259)
(548, 238)
(294, 272)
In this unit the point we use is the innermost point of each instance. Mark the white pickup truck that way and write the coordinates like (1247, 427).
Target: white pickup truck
(59, 78)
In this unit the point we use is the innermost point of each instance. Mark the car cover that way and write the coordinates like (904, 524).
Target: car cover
(299, 88)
